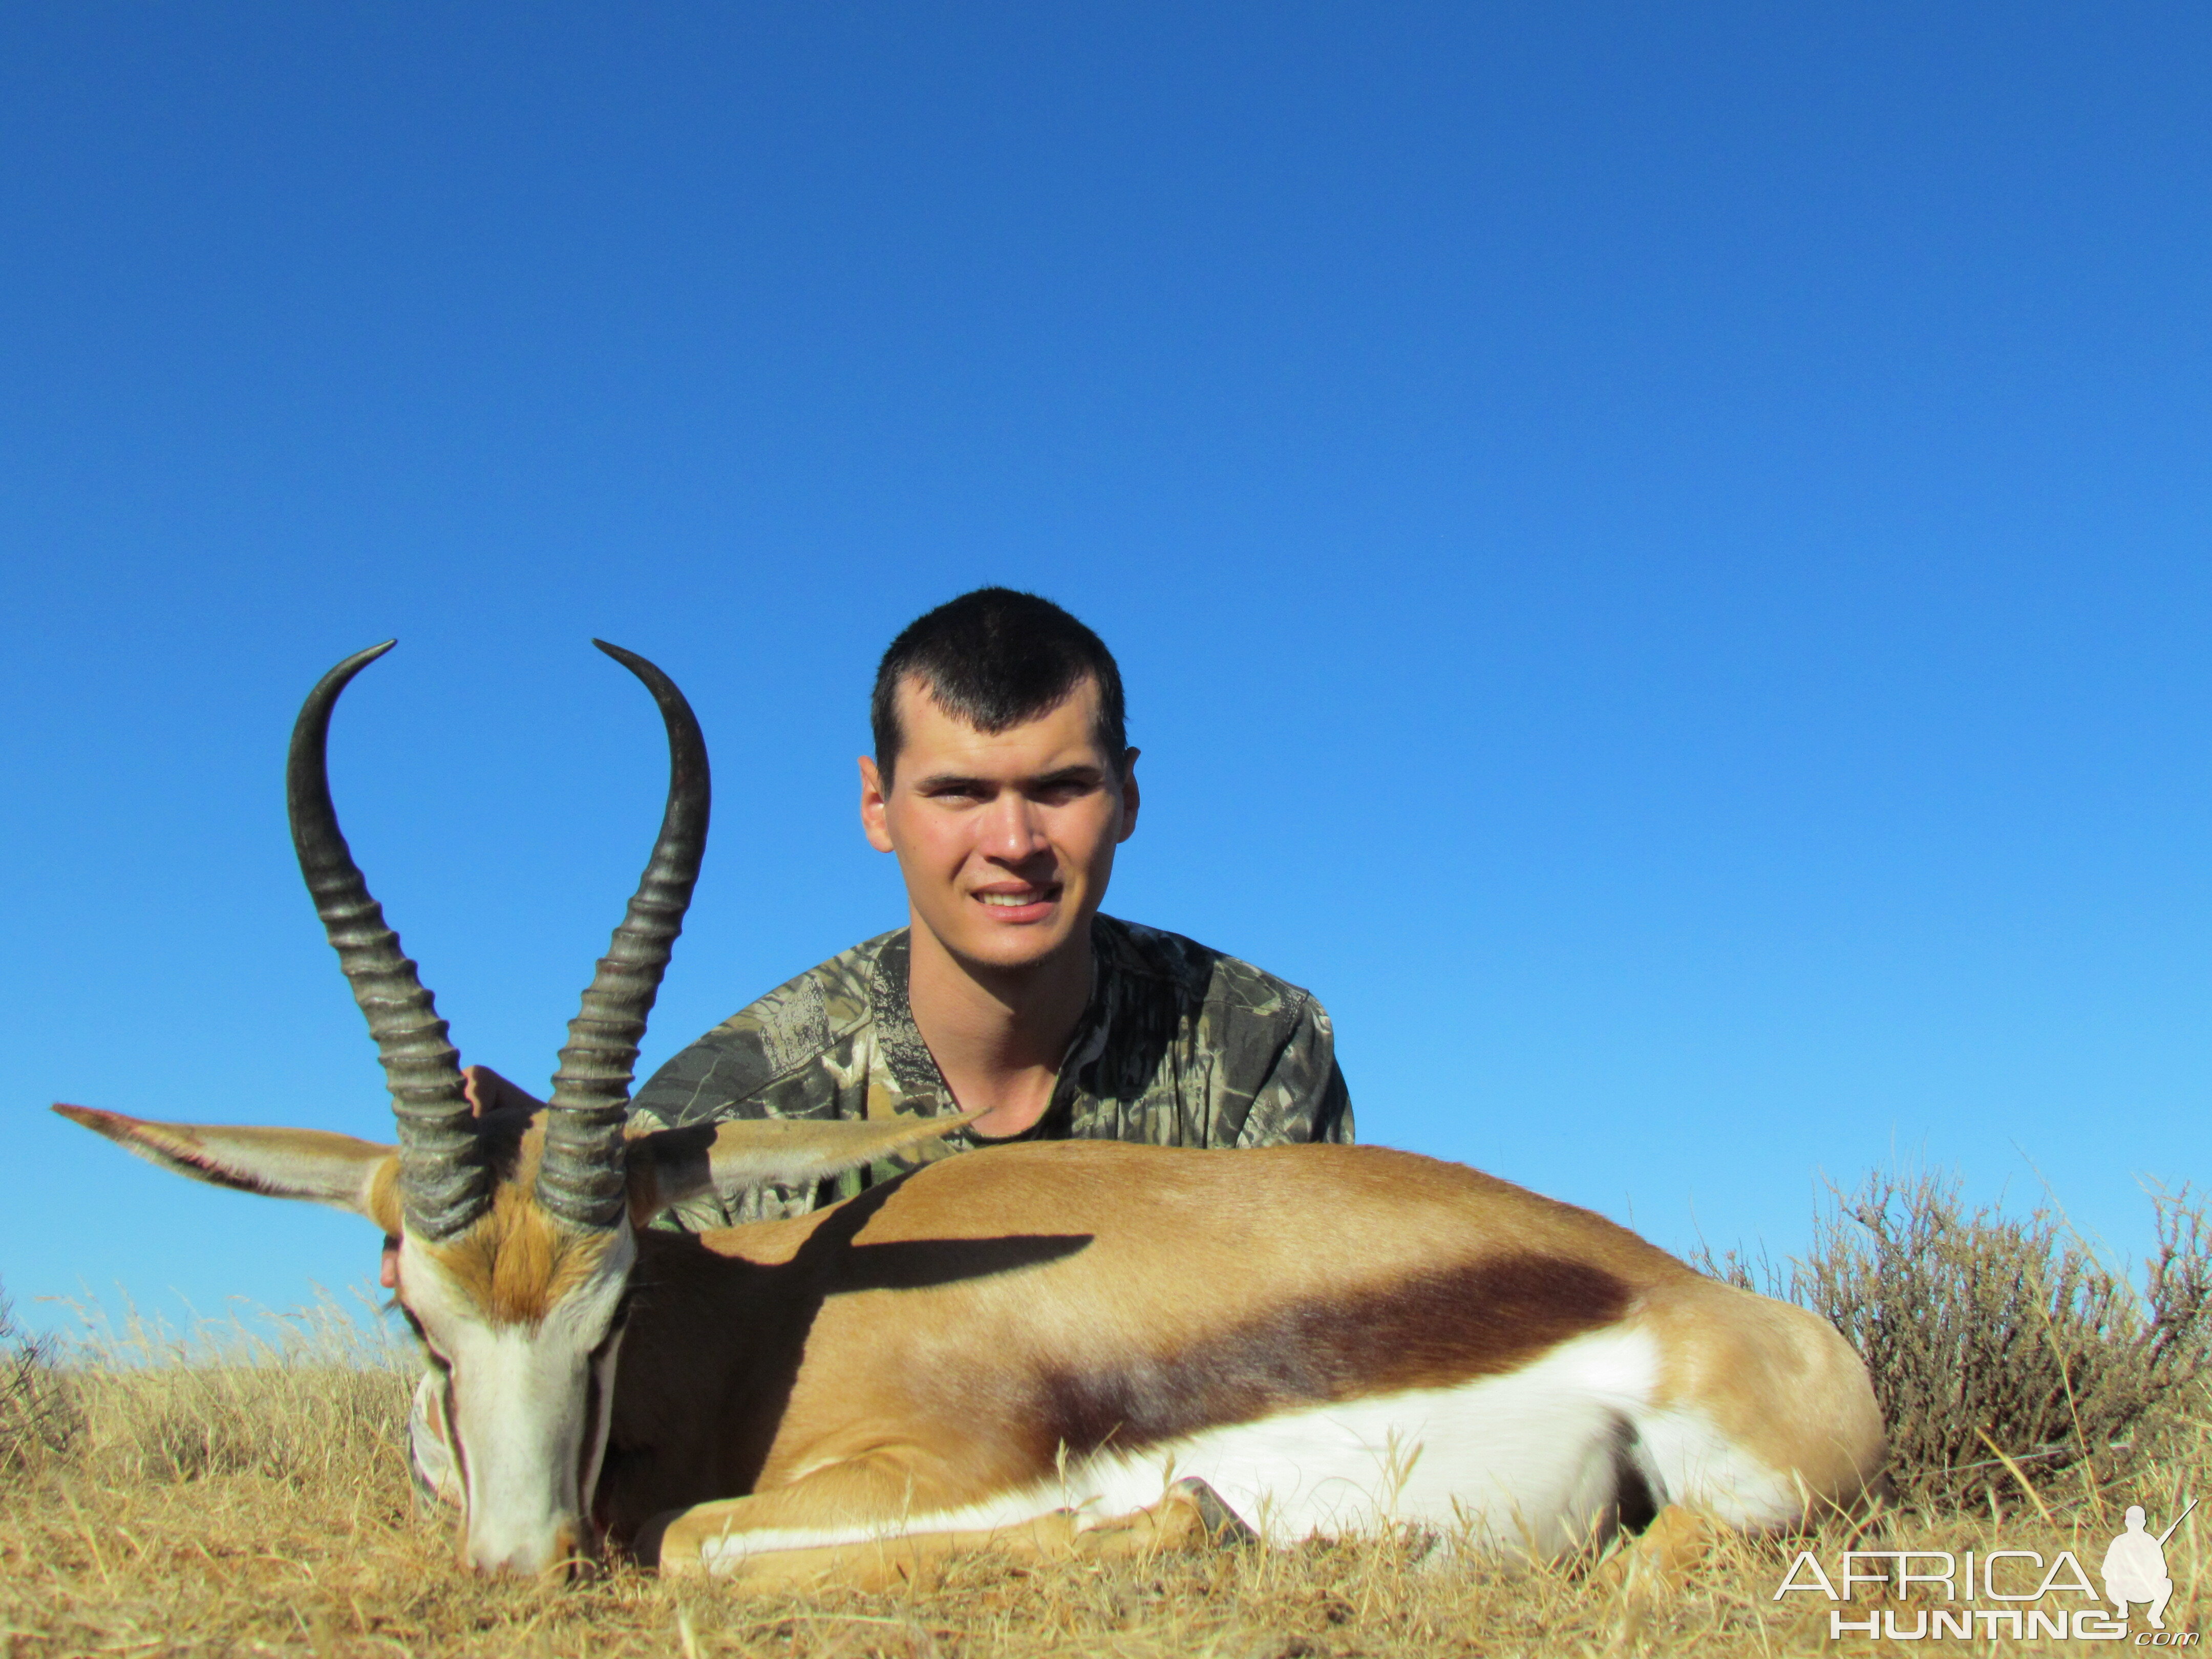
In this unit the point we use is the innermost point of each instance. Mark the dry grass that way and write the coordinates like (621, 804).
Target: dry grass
(242, 1492)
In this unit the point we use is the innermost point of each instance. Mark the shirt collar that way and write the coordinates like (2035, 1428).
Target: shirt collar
(912, 1067)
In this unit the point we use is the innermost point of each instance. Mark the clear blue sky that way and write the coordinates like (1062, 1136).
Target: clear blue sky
(1660, 553)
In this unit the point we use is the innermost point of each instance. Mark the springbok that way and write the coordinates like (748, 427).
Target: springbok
(1029, 1342)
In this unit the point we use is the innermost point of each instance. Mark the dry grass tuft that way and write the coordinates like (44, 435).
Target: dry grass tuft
(300, 1399)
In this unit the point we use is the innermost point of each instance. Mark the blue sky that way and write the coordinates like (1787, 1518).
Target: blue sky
(1660, 553)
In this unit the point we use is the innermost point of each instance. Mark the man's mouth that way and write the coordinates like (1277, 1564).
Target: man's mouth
(1021, 904)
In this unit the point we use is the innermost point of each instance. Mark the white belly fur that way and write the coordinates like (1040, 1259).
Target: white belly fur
(1524, 1462)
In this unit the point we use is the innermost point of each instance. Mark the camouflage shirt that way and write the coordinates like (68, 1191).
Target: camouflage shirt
(1180, 1046)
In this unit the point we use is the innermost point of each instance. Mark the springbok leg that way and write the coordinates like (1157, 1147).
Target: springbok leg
(1660, 1560)
(1189, 1515)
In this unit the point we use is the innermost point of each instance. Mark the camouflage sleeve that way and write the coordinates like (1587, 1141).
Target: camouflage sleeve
(710, 1080)
(773, 1058)
(734, 1070)
(1303, 1097)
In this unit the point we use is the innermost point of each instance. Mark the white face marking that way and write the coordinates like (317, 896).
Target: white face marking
(517, 1400)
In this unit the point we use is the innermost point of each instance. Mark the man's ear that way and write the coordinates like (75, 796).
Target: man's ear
(669, 1165)
(356, 1176)
(874, 802)
(1131, 798)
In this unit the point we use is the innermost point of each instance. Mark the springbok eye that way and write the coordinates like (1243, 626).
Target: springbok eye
(438, 1362)
(621, 1318)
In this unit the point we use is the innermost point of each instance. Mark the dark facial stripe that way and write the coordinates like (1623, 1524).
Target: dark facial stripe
(1442, 1328)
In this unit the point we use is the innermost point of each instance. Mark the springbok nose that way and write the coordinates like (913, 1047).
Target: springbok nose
(558, 1555)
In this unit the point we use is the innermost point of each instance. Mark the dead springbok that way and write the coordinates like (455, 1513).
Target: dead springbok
(1011, 1341)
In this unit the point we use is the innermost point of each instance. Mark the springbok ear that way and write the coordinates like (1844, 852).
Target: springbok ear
(356, 1176)
(669, 1165)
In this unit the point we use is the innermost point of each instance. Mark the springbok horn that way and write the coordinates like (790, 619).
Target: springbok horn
(442, 1180)
(580, 1178)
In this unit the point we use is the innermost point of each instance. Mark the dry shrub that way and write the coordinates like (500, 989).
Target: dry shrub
(39, 1419)
(2005, 1355)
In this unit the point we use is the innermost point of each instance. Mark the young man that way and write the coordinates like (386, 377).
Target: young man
(1003, 783)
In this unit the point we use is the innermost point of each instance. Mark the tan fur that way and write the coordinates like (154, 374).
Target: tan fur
(382, 1202)
(516, 1262)
(1738, 1354)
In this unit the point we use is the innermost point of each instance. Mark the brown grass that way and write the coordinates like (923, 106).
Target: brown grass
(242, 1492)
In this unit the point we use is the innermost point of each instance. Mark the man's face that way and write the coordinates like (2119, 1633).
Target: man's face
(1006, 842)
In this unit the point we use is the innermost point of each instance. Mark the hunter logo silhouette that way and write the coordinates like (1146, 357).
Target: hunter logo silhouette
(2134, 1566)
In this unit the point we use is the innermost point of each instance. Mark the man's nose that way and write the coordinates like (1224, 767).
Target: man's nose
(1011, 829)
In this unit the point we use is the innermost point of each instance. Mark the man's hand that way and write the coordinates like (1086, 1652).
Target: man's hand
(488, 1092)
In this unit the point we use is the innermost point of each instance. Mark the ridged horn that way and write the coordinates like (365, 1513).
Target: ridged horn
(442, 1181)
(580, 1178)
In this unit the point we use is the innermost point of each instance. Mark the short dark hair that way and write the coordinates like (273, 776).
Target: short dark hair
(995, 658)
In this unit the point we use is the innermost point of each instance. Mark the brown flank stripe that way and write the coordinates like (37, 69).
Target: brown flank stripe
(1431, 1330)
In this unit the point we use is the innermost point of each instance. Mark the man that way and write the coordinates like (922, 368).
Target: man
(1003, 781)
